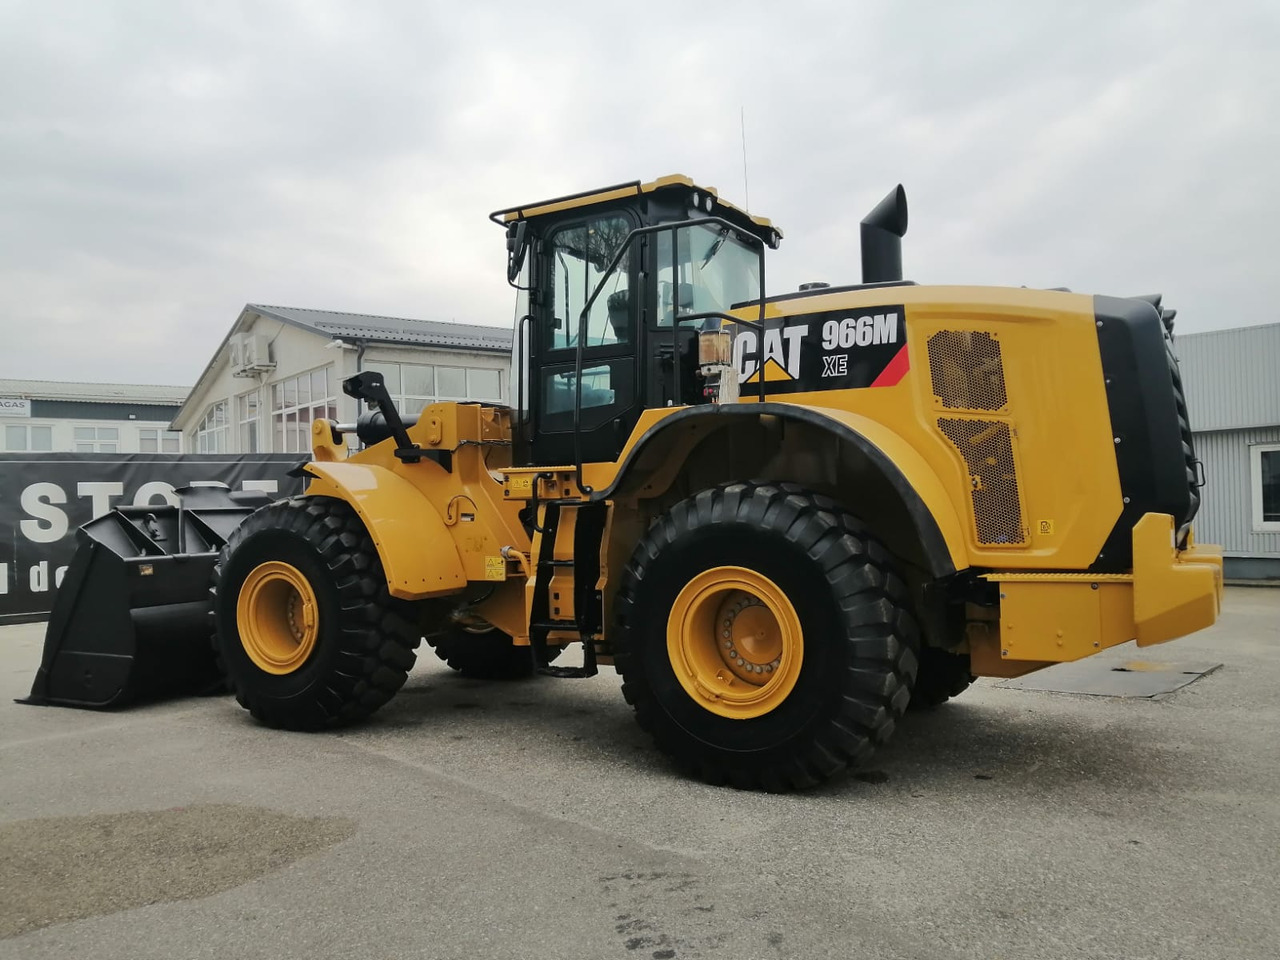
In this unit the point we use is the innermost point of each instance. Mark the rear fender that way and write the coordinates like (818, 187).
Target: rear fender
(419, 557)
(924, 499)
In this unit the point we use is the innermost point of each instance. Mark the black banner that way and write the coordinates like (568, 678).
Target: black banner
(44, 497)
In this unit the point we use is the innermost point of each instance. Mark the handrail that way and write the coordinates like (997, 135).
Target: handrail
(675, 297)
(497, 215)
(517, 420)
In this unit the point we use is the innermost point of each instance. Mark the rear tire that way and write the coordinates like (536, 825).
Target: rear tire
(305, 571)
(486, 654)
(838, 655)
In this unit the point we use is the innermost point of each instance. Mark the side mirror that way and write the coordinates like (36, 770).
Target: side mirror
(517, 247)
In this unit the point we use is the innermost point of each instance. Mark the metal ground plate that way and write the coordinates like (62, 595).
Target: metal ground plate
(1110, 678)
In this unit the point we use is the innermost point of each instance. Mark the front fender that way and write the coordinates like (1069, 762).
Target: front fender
(418, 555)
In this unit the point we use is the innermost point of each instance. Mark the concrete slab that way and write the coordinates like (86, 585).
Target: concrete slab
(1104, 678)
(482, 820)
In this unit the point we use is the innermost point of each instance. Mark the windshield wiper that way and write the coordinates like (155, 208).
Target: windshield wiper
(715, 247)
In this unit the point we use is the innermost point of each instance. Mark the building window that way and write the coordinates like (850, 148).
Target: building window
(97, 439)
(1264, 479)
(451, 383)
(295, 403)
(20, 437)
(213, 434)
(484, 385)
(159, 441)
(247, 416)
(414, 385)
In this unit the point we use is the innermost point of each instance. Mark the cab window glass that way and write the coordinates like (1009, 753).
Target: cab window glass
(713, 270)
(562, 389)
(578, 259)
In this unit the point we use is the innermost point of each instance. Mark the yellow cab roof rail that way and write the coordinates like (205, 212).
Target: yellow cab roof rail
(621, 191)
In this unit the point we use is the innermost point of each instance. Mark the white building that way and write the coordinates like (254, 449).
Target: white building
(281, 367)
(1232, 381)
(38, 416)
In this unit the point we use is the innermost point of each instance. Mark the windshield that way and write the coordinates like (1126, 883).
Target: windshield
(714, 269)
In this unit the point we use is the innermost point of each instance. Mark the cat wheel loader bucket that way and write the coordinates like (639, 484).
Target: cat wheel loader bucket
(131, 619)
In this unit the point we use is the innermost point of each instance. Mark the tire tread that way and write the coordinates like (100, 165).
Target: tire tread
(377, 635)
(881, 635)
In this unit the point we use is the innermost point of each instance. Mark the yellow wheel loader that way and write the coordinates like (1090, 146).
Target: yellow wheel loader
(782, 518)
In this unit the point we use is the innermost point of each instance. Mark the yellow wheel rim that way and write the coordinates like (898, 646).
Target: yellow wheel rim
(735, 642)
(277, 617)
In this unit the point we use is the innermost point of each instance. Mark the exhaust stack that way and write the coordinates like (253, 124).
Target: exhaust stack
(882, 232)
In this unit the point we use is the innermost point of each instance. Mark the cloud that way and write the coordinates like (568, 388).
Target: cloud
(161, 164)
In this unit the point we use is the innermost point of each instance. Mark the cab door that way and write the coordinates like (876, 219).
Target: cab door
(574, 259)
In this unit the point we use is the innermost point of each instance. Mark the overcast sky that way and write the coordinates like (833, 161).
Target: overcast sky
(163, 163)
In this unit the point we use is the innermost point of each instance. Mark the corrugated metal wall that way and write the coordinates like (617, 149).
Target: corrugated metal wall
(1232, 377)
(1232, 383)
(1226, 515)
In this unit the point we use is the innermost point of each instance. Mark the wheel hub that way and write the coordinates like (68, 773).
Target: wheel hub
(751, 640)
(735, 642)
(277, 617)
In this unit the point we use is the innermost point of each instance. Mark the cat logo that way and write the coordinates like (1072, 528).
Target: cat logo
(781, 354)
(824, 350)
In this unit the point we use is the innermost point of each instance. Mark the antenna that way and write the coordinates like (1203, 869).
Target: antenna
(746, 188)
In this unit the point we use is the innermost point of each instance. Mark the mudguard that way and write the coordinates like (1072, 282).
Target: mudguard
(940, 525)
(418, 555)
(935, 516)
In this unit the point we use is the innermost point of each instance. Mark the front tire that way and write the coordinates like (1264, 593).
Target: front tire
(306, 633)
(788, 654)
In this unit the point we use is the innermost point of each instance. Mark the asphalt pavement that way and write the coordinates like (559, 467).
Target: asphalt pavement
(534, 820)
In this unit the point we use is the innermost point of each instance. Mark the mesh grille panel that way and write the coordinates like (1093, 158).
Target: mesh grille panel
(987, 448)
(966, 370)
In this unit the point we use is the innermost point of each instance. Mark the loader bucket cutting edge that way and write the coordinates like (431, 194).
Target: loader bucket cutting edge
(131, 619)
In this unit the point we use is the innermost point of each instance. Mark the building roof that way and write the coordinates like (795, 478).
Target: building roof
(360, 326)
(1231, 377)
(140, 393)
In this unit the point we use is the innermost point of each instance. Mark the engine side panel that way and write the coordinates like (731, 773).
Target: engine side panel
(1000, 392)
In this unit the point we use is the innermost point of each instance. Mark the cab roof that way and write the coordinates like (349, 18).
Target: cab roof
(622, 191)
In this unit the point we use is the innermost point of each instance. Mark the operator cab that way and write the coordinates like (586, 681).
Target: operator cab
(611, 276)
